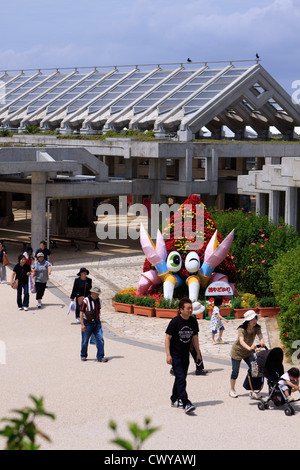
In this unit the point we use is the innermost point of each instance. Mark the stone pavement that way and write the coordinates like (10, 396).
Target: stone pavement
(115, 274)
(42, 358)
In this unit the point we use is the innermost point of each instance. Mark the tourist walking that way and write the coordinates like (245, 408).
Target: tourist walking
(3, 262)
(41, 270)
(81, 289)
(91, 324)
(47, 253)
(20, 274)
(216, 321)
(244, 346)
(181, 331)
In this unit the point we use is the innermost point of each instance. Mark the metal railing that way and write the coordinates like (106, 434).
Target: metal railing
(192, 63)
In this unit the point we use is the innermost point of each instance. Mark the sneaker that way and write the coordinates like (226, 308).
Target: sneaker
(20, 308)
(176, 404)
(78, 320)
(255, 396)
(102, 359)
(25, 308)
(189, 407)
(233, 394)
(83, 359)
(39, 305)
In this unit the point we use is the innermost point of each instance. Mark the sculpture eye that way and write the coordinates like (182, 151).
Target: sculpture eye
(174, 261)
(192, 262)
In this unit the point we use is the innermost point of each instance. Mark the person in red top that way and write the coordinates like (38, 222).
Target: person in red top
(91, 324)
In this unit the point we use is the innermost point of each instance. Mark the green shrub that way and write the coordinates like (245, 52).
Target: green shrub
(257, 244)
(167, 303)
(237, 302)
(124, 298)
(285, 277)
(145, 301)
(289, 324)
(267, 302)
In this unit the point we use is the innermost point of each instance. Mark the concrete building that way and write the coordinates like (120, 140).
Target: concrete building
(178, 102)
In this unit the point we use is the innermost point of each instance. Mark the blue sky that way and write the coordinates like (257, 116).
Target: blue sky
(36, 34)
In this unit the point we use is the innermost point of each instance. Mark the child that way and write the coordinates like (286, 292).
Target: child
(289, 382)
(216, 321)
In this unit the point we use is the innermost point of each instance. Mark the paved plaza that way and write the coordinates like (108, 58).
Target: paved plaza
(42, 348)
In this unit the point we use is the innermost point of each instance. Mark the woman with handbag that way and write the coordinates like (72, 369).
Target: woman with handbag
(19, 281)
(81, 289)
(3, 262)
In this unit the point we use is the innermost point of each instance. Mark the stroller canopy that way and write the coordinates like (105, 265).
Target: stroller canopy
(269, 363)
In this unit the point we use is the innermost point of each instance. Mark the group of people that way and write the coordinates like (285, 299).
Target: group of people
(182, 332)
(30, 274)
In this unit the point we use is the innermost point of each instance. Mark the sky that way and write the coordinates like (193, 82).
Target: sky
(75, 33)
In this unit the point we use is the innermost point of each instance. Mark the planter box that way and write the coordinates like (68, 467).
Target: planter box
(120, 307)
(268, 311)
(208, 312)
(166, 312)
(147, 311)
(239, 312)
(224, 311)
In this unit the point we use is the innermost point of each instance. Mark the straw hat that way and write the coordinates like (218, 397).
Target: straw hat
(96, 290)
(250, 314)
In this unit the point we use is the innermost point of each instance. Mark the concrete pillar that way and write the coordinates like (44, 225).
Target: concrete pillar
(274, 206)
(260, 203)
(186, 166)
(38, 208)
(291, 207)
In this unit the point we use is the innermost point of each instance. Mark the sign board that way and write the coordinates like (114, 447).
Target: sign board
(218, 288)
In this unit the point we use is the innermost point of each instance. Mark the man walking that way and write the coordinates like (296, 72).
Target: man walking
(91, 324)
(181, 331)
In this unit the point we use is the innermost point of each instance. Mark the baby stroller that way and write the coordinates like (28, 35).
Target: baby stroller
(270, 365)
(254, 380)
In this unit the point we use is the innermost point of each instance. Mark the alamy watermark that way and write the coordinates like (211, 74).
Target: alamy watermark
(188, 221)
(2, 352)
(296, 93)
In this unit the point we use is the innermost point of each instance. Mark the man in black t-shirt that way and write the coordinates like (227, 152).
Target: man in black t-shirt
(181, 331)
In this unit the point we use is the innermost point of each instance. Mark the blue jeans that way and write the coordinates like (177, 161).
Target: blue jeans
(236, 366)
(180, 367)
(96, 329)
(25, 302)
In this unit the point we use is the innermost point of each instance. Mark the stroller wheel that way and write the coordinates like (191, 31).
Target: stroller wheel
(262, 406)
(289, 411)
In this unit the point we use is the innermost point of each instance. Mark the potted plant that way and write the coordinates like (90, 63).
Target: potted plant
(209, 307)
(123, 302)
(226, 308)
(166, 308)
(268, 307)
(144, 305)
(243, 303)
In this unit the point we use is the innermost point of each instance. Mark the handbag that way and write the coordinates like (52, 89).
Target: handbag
(15, 283)
(5, 260)
(90, 315)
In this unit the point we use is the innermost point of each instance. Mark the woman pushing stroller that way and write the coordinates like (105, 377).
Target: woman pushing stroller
(244, 347)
